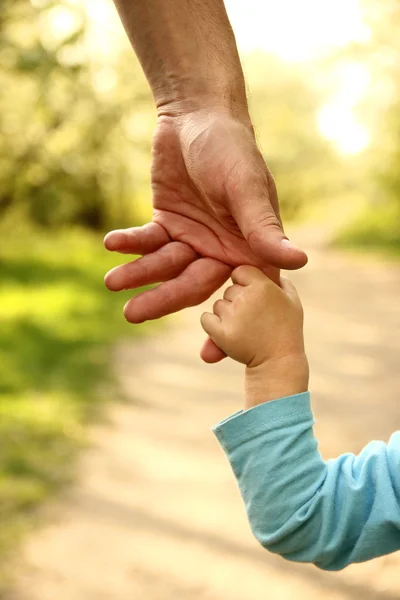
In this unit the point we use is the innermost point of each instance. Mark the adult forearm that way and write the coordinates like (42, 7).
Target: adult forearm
(188, 52)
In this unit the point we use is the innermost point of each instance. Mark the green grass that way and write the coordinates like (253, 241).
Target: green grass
(374, 230)
(57, 324)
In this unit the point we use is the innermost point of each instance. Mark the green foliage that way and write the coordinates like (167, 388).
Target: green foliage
(377, 230)
(56, 326)
(385, 64)
(378, 224)
(304, 164)
(75, 127)
(66, 149)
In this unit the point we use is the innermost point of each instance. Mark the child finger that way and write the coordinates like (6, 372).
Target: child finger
(220, 307)
(232, 292)
(245, 275)
(211, 324)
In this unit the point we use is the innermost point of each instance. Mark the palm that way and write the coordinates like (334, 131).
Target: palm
(189, 180)
(201, 182)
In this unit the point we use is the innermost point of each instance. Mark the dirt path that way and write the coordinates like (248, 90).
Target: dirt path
(156, 514)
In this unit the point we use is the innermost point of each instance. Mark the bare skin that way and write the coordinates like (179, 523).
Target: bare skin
(260, 324)
(215, 201)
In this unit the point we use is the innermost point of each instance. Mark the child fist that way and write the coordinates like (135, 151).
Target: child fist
(260, 324)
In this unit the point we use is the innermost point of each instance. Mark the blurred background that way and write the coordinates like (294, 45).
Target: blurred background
(76, 119)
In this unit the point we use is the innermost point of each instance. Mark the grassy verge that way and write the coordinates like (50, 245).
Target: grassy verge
(376, 231)
(57, 323)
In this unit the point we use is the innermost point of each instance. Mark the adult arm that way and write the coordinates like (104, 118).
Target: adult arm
(188, 52)
(215, 201)
(328, 513)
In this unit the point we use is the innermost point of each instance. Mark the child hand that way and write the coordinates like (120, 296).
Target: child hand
(260, 325)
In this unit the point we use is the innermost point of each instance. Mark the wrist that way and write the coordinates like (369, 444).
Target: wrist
(276, 378)
(186, 96)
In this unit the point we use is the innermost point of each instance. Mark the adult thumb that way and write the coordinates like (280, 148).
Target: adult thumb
(256, 211)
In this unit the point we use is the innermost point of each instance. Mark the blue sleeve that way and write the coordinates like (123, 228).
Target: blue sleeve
(328, 513)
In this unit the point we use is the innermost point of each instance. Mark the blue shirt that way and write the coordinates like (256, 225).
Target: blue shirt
(328, 513)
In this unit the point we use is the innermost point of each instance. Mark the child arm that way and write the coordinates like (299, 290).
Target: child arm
(328, 513)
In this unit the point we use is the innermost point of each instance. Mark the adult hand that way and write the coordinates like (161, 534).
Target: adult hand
(215, 208)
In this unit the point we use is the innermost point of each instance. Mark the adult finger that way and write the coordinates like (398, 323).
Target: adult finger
(210, 353)
(137, 240)
(195, 285)
(163, 264)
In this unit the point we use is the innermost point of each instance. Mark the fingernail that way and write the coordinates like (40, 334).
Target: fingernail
(295, 253)
(288, 244)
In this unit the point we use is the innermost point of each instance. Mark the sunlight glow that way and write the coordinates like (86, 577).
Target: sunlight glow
(57, 24)
(307, 31)
(337, 121)
(296, 31)
(338, 124)
(106, 35)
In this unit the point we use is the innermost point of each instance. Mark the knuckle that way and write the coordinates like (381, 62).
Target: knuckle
(267, 218)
